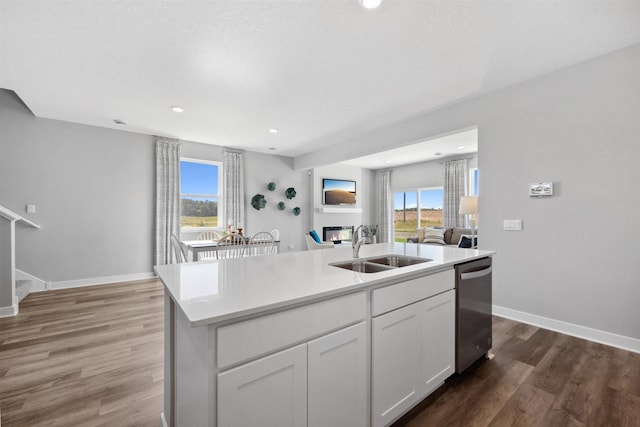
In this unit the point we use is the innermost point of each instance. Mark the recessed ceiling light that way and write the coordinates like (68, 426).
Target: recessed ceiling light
(370, 4)
(272, 148)
(387, 161)
(177, 109)
(119, 122)
(460, 147)
(273, 130)
(437, 154)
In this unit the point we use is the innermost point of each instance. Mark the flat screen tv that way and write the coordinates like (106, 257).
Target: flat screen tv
(338, 192)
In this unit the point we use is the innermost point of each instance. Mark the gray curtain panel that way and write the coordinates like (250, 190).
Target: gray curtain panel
(167, 198)
(234, 188)
(384, 207)
(456, 178)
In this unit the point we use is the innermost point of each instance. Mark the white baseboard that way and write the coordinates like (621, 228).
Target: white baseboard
(37, 285)
(65, 284)
(163, 420)
(9, 311)
(602, 337)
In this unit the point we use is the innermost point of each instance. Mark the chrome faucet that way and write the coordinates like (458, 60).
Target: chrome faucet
(356, 242)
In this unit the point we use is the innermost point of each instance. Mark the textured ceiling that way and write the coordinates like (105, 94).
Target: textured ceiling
(319, 71)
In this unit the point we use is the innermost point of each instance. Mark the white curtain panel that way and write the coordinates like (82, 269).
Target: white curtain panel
(167, 198)
(384, 207)
(234, 188)
(456, 177)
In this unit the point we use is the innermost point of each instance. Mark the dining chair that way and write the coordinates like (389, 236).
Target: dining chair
(208, 235)
(179, 251)
(262, 243)
(276, 234)
(231, 246)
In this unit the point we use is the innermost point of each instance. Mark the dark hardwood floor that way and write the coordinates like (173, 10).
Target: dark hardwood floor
(94, 357)
(538, 378)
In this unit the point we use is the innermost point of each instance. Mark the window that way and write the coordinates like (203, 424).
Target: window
(473, 181)
(200, 194)
(416, 209)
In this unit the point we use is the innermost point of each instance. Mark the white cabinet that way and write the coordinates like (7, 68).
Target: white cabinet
(395, 363)
(320, 383)
(271, 391)
(438, 340)
(412, 353)
(337, 379)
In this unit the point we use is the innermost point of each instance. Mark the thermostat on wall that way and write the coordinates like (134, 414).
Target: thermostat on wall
(539, 189)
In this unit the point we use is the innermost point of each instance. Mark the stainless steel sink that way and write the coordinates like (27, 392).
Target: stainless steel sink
(397, 260)
(362, 266)
(379, 263)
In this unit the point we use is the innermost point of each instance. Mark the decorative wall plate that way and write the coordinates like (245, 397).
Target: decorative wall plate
(258, 202)
(290, 193)
(296, 211)
(281, 206)
(271, 186)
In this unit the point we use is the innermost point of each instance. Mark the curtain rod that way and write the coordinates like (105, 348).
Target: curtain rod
(453, 159)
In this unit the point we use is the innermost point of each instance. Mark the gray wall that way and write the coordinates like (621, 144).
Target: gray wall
(93, 189)
(576, 259)
(423, 174)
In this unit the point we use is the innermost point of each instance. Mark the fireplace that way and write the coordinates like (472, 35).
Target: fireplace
(338, 233)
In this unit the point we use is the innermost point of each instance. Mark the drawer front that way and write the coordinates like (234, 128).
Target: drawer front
(245, 340)
(399, 295)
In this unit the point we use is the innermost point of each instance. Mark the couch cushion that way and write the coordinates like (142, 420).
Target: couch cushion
(433, 235)
(456, 233)
(465, 241)
(314, 234)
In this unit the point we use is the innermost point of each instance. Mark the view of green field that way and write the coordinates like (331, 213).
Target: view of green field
(198, 221)
(407, 222)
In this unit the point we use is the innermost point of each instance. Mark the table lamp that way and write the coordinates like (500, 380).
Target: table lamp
(469, 206)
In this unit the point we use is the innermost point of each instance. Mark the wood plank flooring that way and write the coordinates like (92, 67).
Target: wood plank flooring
(538, 378)
(94, 357)
(89, 356)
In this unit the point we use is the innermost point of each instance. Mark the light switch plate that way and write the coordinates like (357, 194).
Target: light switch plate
(513, 224)
(31, 208)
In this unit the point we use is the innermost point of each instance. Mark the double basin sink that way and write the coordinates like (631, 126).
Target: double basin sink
(379, 263)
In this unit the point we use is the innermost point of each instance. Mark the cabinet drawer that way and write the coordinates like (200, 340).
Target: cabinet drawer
(396, 296)
(251, 338)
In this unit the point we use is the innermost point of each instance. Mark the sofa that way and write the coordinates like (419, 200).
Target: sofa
(451, 235)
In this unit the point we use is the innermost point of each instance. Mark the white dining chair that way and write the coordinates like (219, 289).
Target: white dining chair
(262, 243)
(179, 251)
(208, 235)
(276, 234)
(231, 246)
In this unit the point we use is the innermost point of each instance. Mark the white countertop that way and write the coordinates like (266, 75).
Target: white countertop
(215, 291)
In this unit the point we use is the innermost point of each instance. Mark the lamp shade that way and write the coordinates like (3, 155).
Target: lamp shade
(468, 205)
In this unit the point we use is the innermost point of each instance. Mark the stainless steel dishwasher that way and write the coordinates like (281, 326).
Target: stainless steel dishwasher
(473, 312)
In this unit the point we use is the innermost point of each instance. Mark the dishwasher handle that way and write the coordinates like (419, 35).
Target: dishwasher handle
(476, 274)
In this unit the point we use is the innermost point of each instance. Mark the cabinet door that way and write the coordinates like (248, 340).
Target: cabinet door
(438, 340)
(271, 391)
(338, 379)
(395, 363)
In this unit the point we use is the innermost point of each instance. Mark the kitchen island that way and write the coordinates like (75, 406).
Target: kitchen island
(289, 339)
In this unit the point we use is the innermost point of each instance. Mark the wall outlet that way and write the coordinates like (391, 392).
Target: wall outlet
(513, 224)
(31, 208)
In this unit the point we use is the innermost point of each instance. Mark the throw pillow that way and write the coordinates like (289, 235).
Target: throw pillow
(314, 234)
(465, 241)
(433, 235)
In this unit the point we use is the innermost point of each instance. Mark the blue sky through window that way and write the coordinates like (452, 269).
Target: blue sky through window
(198, 178)
(429, 199)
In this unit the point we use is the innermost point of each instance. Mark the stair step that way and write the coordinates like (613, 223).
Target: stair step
(23, 287)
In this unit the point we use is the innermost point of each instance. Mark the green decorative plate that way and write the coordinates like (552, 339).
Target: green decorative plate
(271, 186)
(258, 202)
(290, 193)
(281, 206)
(296, 211)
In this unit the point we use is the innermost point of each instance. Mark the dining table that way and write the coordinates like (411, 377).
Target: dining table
(199, 246)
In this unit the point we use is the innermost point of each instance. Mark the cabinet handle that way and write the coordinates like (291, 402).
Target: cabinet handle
(475, 274)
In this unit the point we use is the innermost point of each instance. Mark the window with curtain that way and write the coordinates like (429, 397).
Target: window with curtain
(200, 194)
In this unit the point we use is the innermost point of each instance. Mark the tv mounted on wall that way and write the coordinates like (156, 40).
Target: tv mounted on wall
(338, 192)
